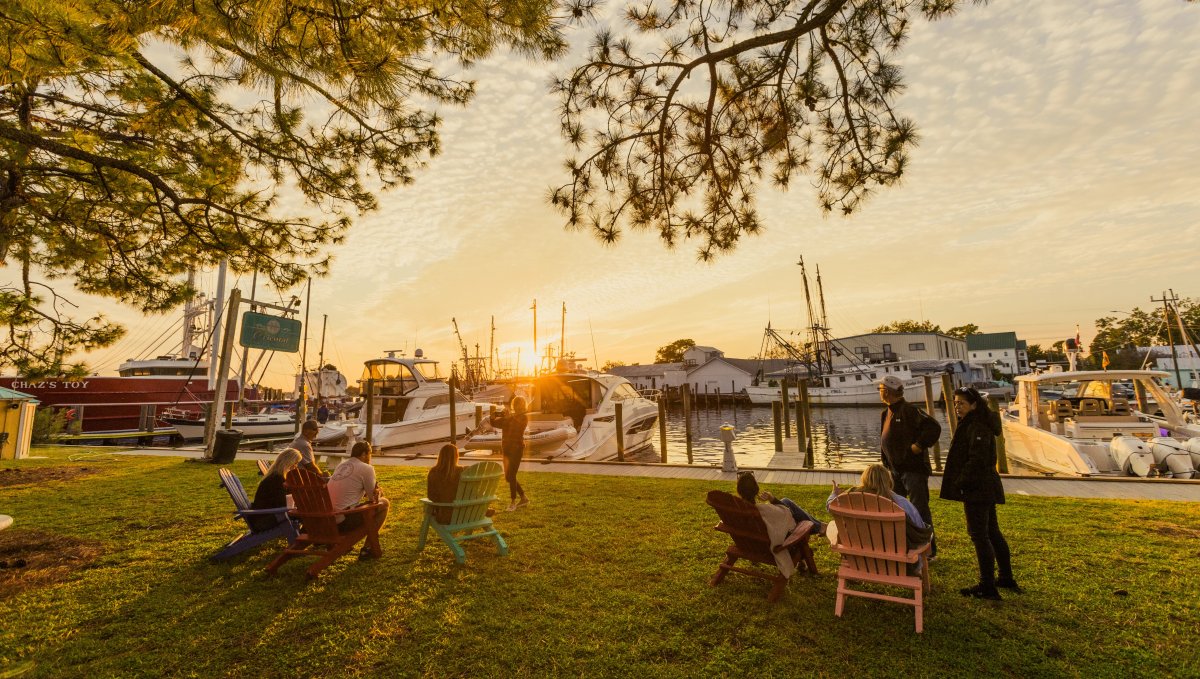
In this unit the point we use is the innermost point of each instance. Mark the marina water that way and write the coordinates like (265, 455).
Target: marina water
(843, 438)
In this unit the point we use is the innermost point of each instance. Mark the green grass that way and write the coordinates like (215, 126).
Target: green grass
(606, 577)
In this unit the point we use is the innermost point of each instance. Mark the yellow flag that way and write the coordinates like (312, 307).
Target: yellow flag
(1104, 360)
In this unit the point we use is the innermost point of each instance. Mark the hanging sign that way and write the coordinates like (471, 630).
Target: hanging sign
(260, 331)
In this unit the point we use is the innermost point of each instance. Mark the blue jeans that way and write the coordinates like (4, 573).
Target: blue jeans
(799, 514)
(915, 487)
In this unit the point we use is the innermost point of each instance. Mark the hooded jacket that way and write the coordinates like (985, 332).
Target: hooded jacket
(909, 425)
(971, 474)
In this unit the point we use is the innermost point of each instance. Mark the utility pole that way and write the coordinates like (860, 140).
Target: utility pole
(218, 404)
(302, 404)
(535, 351)
(1172, 299)
(246, 350)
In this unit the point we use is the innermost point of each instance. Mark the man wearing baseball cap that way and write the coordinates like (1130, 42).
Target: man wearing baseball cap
(906, 435)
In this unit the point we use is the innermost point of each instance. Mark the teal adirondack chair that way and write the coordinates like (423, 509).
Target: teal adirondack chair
(476, 490)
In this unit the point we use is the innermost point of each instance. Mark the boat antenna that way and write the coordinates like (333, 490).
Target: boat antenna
(594, 352)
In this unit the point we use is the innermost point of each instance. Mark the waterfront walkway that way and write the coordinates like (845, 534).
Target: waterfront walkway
(1103, 488)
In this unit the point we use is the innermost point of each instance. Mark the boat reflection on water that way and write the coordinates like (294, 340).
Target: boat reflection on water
(843, 438)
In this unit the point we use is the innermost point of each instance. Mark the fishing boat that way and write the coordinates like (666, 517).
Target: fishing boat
(410, 405)
(855, 385)
(130, 403)
(1081, 423)
(268, 421)
(573, 417)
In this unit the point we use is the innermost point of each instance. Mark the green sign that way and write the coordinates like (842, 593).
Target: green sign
(260, 331)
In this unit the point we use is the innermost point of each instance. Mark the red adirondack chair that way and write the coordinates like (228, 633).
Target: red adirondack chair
(319, 534)
(872, 542)
(744, 524)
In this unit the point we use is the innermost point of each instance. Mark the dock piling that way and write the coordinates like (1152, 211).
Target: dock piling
(787, 411)
(620, 422)
(778, 426)
(948, 397)
(937, 447)
(687, 419)
(662, 427)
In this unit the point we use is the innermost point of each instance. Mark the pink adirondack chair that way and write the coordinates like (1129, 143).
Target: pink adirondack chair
(872, 543)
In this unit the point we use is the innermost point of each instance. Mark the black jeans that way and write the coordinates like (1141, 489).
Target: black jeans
(991, 549)
(915, 487)
(512, 463)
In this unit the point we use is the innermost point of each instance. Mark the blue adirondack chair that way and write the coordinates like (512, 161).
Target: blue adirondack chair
(251, 538)
(476, 490)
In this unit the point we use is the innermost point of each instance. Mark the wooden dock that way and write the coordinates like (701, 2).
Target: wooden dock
(1107, 488)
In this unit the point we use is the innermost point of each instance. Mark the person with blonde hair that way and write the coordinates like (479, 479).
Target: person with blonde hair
(877, 479)
(512, 425)
(270, 493)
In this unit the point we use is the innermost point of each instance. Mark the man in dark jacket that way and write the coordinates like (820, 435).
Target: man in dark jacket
(906, 435)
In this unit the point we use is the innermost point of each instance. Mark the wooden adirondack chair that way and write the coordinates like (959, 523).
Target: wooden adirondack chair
(476, 490)
(319, 534)
(872, 543)
(283, 529)
(744, 524)
(263, 467)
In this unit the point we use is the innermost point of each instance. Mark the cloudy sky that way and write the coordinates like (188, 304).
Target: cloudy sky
(1056, 180)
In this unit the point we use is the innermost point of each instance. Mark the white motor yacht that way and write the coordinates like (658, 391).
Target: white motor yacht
(1083, 423)
(572, 416)
(410, 405)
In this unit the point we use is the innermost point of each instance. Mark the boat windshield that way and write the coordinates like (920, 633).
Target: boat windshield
(390, 377)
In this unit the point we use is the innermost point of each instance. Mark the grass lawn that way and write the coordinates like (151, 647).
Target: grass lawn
(606, 577)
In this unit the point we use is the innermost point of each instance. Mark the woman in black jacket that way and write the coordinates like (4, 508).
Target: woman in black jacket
(971, 478)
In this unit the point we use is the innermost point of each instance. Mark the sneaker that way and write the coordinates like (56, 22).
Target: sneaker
(979, 592)
(491, 511)
(512, 507)
(931, 558)
(1009, 584)
(524, 502)
(365, 553)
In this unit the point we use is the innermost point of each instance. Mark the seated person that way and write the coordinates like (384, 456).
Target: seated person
(747, 488)
(270, 492)
(353, 483)
(442, 483)
(877, 479)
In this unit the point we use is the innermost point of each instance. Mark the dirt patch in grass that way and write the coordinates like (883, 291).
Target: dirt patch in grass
(35, 559)
(28, 476)
(1173, 530)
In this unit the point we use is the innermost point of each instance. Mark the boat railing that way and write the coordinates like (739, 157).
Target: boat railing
(650, 394)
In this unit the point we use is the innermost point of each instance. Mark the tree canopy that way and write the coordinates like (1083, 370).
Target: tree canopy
(673, 352)
(907, 326)
(677, 123)
(139, 139)
(1121, 335)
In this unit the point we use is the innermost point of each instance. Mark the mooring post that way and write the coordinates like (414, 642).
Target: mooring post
(620, 422)
(787, 411)
(948, 396)
(687, 419)
(1001, 454)
(453, 416)
(369, 408)
(806, 409)
(937, 447)
(778, 426)
(662, 427)
(478, 416)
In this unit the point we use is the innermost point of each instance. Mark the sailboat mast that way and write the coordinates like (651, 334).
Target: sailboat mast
(321, 357)
(492, 350)
(812, 323)
(824, 318)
